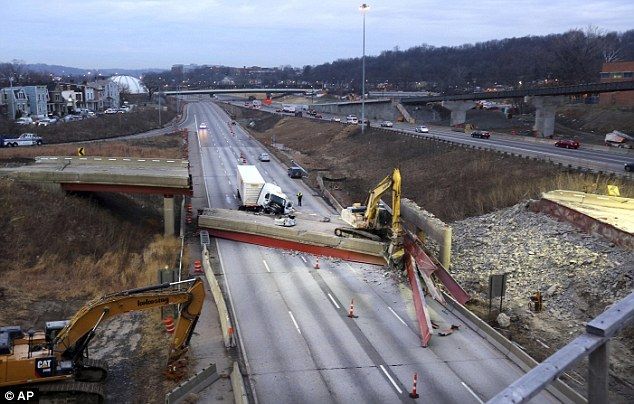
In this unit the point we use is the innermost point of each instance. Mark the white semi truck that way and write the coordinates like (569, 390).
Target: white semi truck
(258, 195)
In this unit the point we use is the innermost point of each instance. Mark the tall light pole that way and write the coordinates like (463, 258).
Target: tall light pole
(364, 7)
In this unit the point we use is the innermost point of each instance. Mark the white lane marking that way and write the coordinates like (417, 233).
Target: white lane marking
(333, 301)
(294, 322)
(397, 316)
(391, 380)
(303, 259)
(266, 266)
(472, 393)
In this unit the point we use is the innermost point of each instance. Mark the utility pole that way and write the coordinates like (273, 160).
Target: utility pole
(364, 7)
(159, 106)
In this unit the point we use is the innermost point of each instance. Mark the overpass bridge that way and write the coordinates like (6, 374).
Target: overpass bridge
(544, 99)
(167, 177)
(238, 91)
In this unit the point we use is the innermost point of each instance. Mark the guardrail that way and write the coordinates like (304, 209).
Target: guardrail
(194, 384)
(593, 343)
(221, 305)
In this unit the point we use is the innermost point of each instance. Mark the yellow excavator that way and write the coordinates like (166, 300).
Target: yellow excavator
(55, 360)
(371, 221)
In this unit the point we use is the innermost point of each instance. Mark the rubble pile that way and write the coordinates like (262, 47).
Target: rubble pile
(578, 274)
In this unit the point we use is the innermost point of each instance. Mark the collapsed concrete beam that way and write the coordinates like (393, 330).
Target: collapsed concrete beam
(308, 235)
(432, 227)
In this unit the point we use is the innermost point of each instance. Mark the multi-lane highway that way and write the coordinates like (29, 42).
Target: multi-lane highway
(291, 318)
(606, 160)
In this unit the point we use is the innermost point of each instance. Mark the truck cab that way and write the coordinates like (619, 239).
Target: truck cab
(273, 199)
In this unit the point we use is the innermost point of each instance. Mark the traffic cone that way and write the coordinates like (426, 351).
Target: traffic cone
(198, 267)
(414, 394)
(317, 263)
(351, 311)
(169, 324)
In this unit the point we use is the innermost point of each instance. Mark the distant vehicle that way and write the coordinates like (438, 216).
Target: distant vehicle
(629, 166)
(264, 157)
(46, 121)
(257, 103)
(480, 134)
(288, 108)
(296, 172)
(202, 126)
(335, 119)
(25, 120)
(278, 110)
(421, 129)
(110, 111)
(25, 139)
(387, 124)
(352, 119)
(233, 122)
(619, 139)
(567, 144)
(319, 116)
(72, 118)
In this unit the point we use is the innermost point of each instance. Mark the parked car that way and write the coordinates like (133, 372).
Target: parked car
(72, 118)
(567, 143)
(46, 121)
(110, 111)
(387, 124)
(352, 119)
(480, 134)
(629, 166)
(264, 157)
(25, 120)
(296, 172)
(25, 139)
(203, 125)
(335, 119)
(421, 129)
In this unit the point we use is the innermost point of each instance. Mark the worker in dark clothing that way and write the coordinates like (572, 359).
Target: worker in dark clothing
(299, 198)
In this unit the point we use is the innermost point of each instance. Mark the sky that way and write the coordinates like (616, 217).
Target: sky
(160, 33)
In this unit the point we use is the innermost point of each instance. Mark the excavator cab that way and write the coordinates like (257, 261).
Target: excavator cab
(53, 328)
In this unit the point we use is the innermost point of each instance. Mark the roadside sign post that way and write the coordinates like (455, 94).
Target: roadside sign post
(497, 288)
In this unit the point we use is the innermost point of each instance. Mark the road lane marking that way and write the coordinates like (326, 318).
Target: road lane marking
(472, 393)
(333, 301)
(294, 322)
(303, 259)
(266, 266)
(397, 316)
(391, 380)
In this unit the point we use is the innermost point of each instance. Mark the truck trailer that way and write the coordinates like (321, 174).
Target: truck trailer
(258, 195)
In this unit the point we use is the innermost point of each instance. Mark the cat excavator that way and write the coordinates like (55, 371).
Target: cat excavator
(56, 362)
(371, 221)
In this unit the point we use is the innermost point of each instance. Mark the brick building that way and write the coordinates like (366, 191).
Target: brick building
(617, 71)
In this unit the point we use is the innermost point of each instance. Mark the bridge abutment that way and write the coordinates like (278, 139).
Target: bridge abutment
(545, 108)
(168, 214)
(458, 111)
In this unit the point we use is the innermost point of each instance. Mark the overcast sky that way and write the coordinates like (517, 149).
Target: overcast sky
(159, 33)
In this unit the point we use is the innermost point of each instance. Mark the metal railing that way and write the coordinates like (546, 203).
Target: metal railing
(594, 343)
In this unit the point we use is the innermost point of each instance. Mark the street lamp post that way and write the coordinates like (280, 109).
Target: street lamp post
(364, 7)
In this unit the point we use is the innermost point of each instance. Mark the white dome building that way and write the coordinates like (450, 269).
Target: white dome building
(129, 83)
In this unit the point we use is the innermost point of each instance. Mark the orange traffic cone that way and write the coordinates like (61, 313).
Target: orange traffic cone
(414, 394)
(169, 324)
(198, 267)
(351, 311)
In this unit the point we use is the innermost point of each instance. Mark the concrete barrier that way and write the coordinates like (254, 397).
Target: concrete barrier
(237, 384)
(558, 388)
(431, 226)
(221, 305)
(115, 161)
(193, 385)
(329, 197)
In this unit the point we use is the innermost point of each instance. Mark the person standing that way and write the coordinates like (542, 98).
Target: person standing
(299, 198)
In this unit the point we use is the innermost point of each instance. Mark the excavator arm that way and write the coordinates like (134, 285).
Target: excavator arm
(391, 181)
(72, 340)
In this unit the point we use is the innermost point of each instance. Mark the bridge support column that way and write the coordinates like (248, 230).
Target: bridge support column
(458, 111)
(168, 214)
(545, 108)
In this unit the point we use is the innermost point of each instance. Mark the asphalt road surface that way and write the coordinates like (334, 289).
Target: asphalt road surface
(539, 148)
(291, 318)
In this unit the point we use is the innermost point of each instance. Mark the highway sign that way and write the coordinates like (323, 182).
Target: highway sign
(81, 151)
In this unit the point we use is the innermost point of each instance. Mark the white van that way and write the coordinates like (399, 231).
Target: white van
(352, 119)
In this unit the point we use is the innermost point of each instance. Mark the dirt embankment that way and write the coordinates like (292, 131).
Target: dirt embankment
(59, 251)
(481, 194)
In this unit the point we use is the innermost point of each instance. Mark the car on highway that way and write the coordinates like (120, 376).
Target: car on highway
(387, 124)
(352, 119)
(421, 129)
(202, 126)
(278, 110)
(567, 144)
(335, 119)
(629, 166)
(25, 120)
(110, 111)
(480, 134)
(264, 157)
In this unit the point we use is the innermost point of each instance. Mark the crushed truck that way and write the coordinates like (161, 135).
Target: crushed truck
(258, 195)
(619, 139)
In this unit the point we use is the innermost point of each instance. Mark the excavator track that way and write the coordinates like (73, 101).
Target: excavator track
(72, 392)
(91, 370)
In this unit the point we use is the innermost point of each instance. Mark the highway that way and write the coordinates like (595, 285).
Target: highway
(291, 318)
(538, 148)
